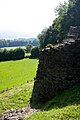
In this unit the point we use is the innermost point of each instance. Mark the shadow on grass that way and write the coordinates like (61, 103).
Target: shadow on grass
(71, 96)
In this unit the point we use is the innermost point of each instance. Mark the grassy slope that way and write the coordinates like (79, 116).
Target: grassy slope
(17, 97)
(65, 106)
(16, 83)
(13, 73)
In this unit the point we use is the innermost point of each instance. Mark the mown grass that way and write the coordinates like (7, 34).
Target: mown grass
(16, 83)
(14, 73)
(65, 106)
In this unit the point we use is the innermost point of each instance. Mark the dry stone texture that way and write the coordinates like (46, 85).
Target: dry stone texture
(58, 69)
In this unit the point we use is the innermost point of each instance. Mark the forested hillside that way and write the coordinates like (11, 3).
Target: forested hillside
(68, 14)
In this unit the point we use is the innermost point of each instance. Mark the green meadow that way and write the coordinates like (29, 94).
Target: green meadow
(13, 73)
(16, 83)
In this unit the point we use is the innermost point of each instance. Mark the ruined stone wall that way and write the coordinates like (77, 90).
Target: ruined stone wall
(58, 69)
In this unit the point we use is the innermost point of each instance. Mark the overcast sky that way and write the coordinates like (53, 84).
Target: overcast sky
(30, 16)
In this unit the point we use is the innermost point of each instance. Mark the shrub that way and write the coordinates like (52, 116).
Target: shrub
(18, 53)
(28, 48)
(35, 52)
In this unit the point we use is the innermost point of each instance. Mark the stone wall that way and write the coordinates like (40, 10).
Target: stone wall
(58, 69)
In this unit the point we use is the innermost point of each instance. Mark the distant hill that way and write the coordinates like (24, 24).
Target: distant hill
(26, 39)
(16, 36)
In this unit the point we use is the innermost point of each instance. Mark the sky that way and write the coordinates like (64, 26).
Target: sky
(29, 16)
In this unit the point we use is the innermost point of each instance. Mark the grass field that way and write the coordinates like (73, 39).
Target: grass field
(16, 97)
(8, 48)
(16, 83)
(65, 106)
(13, 73)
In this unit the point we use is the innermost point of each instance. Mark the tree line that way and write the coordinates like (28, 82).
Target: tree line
(12, 43)
(68, 14)
(33, 50)
(16, 54)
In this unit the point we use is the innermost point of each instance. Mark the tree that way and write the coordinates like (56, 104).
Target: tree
(35, 52)
(61, 9)
(74, 10)
(41, 38)
(35, 42)
(68, 15)
(28, 48)
(18, 53)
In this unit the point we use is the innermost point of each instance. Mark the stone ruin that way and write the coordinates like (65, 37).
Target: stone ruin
(74, 33)
(58, 69)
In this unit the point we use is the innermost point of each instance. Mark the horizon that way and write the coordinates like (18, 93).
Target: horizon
(15, 35)
(26, 16)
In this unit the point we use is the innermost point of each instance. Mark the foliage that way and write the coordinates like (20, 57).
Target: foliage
(68, 15)
(61, 9)
(13, 43)
(41, 37)
(18, 53)
(15, 54)
(35, 42)
(28, 48)
(35, 52)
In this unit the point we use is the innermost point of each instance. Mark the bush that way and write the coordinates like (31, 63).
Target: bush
(18, 53)
(35, 52)
(11, 54)
(28, 48)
